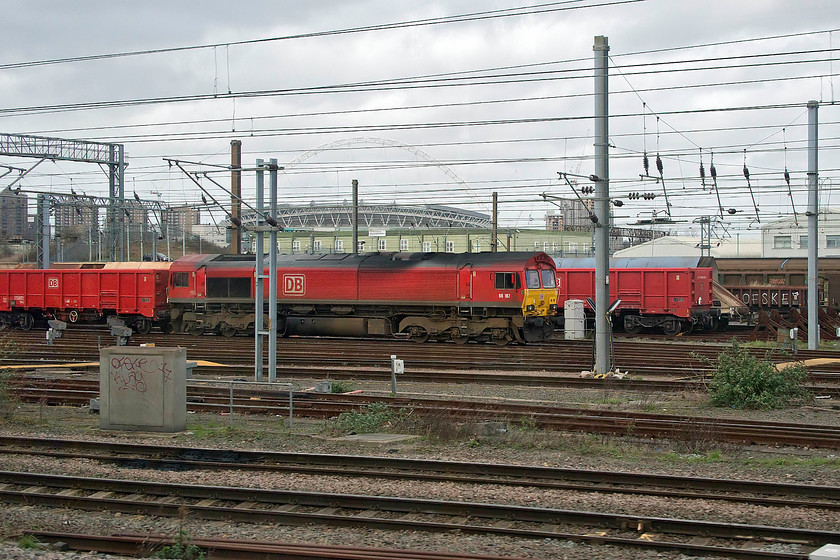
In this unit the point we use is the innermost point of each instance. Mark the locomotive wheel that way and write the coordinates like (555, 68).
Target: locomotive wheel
(502, 340)
(73, 316)
(458, 338)
(228, 331)
(635, 328)
(671, 327)
(26, 322)
(143, 326)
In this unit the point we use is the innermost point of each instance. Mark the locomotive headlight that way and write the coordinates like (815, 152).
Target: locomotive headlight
(552, 307)
(530, 307)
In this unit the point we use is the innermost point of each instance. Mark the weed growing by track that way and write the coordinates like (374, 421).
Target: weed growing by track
(182, 548)
(740, 380)
(340, 386)
(8, 402)
(28, 541)
(374, 417)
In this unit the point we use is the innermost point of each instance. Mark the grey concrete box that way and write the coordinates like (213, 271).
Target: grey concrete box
(574, 319)
(827, 552)
(143, 389)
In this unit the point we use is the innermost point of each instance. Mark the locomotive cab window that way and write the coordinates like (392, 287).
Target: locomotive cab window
(532, 279)
(506, 280)
(548, 279)
(180, 279)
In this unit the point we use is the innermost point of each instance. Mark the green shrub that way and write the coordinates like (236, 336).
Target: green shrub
(339, 386)
(373, 417)
(740, 380)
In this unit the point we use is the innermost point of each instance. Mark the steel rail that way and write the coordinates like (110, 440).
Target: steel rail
(128, 544)
(349, 510)
(321, 405)
(182, 458)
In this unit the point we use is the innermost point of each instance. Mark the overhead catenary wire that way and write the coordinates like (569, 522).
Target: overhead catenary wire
(674, 152)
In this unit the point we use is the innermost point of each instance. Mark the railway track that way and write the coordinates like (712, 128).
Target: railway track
(256, 505)
(633, 356)
(137, 545)
(766, 494)
(205, 398)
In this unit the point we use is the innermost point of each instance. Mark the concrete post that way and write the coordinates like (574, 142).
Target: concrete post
(236, 193)
(602, 208)
(259, 275)
(272, 274)
(355, 217)
(813, 231)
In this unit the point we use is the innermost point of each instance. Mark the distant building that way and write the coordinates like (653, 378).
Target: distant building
(680, 246)
(571, 214)
(218, 235)
(14, 208)
(178, 221)
(76, 217)
(789, 237)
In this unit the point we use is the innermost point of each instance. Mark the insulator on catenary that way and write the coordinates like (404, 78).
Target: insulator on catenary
(646, 164)
(787, 177)
(746, 172)
(713, 171)
(702, 172)
(659, 164)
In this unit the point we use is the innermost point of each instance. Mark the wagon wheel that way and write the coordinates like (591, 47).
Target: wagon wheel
(73, 316)
(671, 327)
(143, 326)
(227, 330)
(418, 334)
(26, 322)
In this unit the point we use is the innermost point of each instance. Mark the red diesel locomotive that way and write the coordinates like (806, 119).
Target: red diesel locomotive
(498, 297)
(672, 293)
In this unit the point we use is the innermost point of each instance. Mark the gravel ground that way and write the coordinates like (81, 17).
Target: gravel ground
(518, 445)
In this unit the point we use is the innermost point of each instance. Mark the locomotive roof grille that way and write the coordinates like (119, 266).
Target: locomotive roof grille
(385, 260)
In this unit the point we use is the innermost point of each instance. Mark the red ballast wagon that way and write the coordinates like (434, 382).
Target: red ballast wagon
(134, 292)
(674, 294)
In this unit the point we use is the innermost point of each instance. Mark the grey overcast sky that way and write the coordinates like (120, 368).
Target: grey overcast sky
(424, 106)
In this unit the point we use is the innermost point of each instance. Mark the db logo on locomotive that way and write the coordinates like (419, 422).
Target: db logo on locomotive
(294, 284)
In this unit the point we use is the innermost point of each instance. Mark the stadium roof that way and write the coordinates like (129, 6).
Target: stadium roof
(340, 216)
